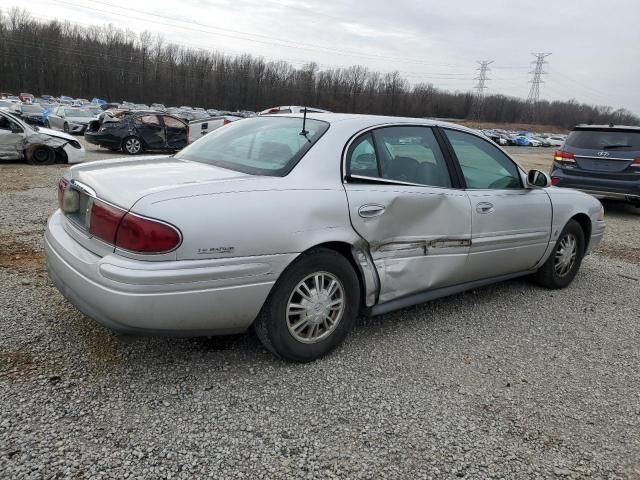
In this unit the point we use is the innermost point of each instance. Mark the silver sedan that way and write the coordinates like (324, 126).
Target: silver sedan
(296, 225)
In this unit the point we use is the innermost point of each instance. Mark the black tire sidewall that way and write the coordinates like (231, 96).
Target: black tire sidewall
(280, 339)
(562, 282)
(50, 156)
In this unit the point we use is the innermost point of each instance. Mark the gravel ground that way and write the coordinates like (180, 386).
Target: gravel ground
(508, 381)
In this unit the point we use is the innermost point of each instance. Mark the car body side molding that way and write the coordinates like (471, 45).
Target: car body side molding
(428, 295)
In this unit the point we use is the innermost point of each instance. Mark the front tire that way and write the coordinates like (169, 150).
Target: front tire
(564, 262)
(312, 307)
(41, 155)
(132, 145)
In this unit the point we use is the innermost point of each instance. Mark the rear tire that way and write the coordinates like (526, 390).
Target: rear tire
(312, 307)
(564, 262)
(41, 156)
(132, 145)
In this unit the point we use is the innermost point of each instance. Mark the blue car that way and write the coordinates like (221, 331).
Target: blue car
(603, 160)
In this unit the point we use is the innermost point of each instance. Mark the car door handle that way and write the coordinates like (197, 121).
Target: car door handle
(371, 210)
(484, 207)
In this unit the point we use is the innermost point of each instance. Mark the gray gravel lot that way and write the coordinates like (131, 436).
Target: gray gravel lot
(508, 381)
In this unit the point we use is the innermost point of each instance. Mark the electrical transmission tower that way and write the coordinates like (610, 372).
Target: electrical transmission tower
(480, 87)
(537, 72)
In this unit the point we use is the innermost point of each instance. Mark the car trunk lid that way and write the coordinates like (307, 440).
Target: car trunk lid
(123, 182)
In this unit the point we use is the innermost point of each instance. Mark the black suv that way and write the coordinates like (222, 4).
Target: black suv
(603, 160)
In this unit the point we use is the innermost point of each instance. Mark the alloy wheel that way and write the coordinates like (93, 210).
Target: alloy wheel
(566, 255)
(133, 145)
(315, 307)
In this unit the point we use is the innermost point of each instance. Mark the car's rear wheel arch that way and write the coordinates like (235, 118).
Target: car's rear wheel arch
(345, 250)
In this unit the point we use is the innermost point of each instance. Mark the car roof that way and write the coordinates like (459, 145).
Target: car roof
(610, 126)
(369, 120)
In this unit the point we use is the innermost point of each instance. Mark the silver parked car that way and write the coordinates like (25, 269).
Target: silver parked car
(295, 226)
(70, 120)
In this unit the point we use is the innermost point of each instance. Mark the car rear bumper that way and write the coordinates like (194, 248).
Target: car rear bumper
(184, 298)
(626, 190)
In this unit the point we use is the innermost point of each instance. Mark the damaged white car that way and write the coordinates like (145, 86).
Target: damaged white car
(36, 145)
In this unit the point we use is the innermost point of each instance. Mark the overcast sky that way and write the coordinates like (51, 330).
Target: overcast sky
(595, 45)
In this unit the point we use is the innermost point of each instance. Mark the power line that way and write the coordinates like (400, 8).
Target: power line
(480, 87)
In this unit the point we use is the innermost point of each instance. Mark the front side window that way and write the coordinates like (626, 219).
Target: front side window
(148, 120)
(171, 122)
(483, 165)
(258, 146)
(403, 153)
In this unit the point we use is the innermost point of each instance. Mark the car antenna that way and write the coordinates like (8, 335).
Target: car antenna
(304, 131)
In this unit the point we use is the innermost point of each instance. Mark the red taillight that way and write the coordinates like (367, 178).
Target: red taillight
(144, 235)
(62, 186)
(636, 162)
(226, 122)
(555, 181)
(562, 156)
(274, 110)
(104, 221)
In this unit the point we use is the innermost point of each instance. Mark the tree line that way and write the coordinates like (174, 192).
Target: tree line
(60, 58)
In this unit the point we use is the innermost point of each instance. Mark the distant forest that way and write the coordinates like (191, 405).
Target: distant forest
(60, 58)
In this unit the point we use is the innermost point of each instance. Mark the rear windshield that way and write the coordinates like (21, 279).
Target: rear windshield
(258, 146)
(622, 141)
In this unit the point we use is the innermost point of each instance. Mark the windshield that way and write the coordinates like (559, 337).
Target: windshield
(32, 109)
(73, 112)
(259, 146)
(623, 141)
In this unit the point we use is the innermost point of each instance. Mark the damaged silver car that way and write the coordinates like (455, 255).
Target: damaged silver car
(36, 145)
(296, 225)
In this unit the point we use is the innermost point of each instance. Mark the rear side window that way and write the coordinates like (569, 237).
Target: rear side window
(404, 154)
(621, 141)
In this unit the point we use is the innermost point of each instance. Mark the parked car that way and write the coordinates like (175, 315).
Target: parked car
(556, 141)
(199, 128)
(603, 160)
(38, 146)
(136, 132)
(30, 112)
(5, 105)
(296, 227)
(291, 109)
(26, 97)
(527, 141)
(159, 107)
(70, 120)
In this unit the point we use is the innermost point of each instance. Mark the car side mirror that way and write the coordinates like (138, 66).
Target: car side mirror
(538, 179)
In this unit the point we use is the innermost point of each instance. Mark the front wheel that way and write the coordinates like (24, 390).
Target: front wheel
(562, 265)
(132, 145)
(41, 155)
(311, 308)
